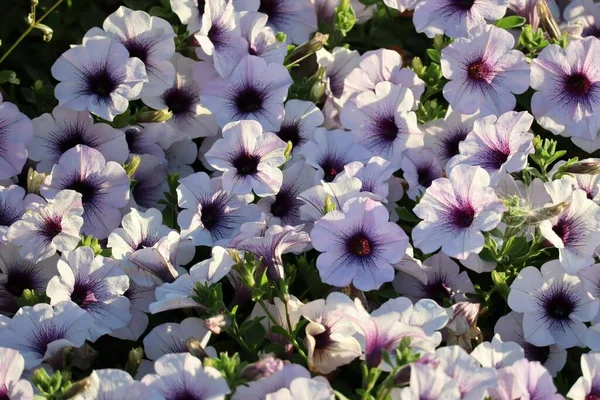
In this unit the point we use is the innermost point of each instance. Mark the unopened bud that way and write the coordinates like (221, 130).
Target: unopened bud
(47, 32)
(132, 166)
(589, 167)
(195, 348)
(134, 359)
(462, 328)
(307, 49)
(288, 150)
(262, 369)
(543, 214)
(34, 180)
(329, 205)
(216, 324)
(154, 116)
(547, 20)
(78, 388)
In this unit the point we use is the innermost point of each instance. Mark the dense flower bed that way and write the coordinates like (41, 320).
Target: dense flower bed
(302, 199)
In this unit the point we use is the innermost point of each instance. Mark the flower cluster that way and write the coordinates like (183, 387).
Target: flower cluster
(229, 201)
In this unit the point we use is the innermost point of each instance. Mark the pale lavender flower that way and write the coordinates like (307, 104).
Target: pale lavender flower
(584, 16)
(64, 129)
(383, 65)
(375, 176)
(568, 89)
(499, 145)
(210, 215)
(155, 265)
(41, 331)
(140, 298)
(576, 231)
(104, 187)
(555, 305)
(443, 281)
(145, 138)
(343, 189)
(427, 383)
(109, 384)
(249, 159)
(261, 38)
(15, 133)
(13, 202)
(382, 122)
(297, 18)
(484, 72)
(149, 38)
(420, 167)
(456, 18)
(338, 64)
(18, 274)
(180, 376)
(329, 336)
(255, 90)
(190, 13)
(317, 388)
(48, 228)
(497, 354)
(12, 387)
(587, 387)
(456, 211)
(510, 328)
(329, 151)
(299, 123)
(534, 380)
(258, 390)
(358, 245)
(98, 76)
(150, 183)
(181, 155)
(96, 285)
(425, 314)
(191, 119)
(220, 36)
(284, 207)
(170, 338)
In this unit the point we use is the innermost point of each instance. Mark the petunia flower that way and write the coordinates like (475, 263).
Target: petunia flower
(427, 383)
(107, 384)
(534, 380)
(499, 145)
(260, 389)
(41, 331)
(98, 76)
(587, 387)
(582, 16)
(95, 284)
(297, 18)
(145, 138)
(13, 202)
(249, 159)
(317, 388)
(48, 228)
(567, 89)
(376, 177)
(182, 375)
(16, 132)
(528, 10)
(104, 187)
(329, 337)
(140, 298)
(358, 244)
(170, 338)
(254, 90)
(510, 328)
(338, 192)
(64, 129)
(155, 265)
(18, 274)
(484, 71)
(261, 38)
(420, 167)
(402, 5)
(150, 183)
(285, 314)
(456, 211)
(497, 354)
(190, 119)
(221, 37)
(11, 386)
(555, 305)
(456, 18)
(338, 65)
(148, 38)
(299, 123)
(190, 13)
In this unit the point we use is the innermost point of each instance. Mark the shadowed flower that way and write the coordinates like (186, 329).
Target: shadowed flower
(15, 133)
(170, 338)
(13, 202)
(11, 386)
(587, 386)
(420, 167)
(261, 38)
(299, 123)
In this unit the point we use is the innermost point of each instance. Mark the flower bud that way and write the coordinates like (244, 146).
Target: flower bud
(154, 116)
(590, 166)
(217, 324)
(34, 180)
(462, 328)
(262, 368)
(132, 166)
(195, 348)
(547, 21)
(78, 388)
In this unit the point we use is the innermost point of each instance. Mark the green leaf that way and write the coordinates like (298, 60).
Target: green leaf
(405, 215)
(434, 55)
(512, 22)
(254, 334)
(487, 255)
(516, 247)
(9, 76)
(279, 330)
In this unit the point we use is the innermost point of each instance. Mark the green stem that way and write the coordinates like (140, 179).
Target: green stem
(29, 29)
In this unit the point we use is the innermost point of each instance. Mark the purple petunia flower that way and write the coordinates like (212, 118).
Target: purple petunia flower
(455, 18)
(402, 5)
(381, 121)
(148, 38)
(375, 177)
(104, 187)
(12, 387)
(255, 90)
(144, 139)
(568, 89)
(261, 39)
(297, 18)
(140, 298)
(98, 76)
(170, 338)
(64, 129)
(484, 72)
(210, 215)
(420, 167)
(15, 133)
(299, 123)
(221, 36)
(358, 245)
(95, 284)
(456, 211)
(150, 183)
(582, 16)
(587, 387)
(249, 159)
(262, 388)
(499, 145)
(338, 65)
(14, 200)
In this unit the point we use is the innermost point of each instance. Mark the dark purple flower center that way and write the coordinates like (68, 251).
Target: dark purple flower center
(180, 100)
(323, 340)
(594, 393)
(148, 241)
(51, 227)
(183, 395)
(479, 70)
(465, 5)
(360, 245)
(217, 36)
(558, 302)
(20, 278)
(426, 175)
(140, 48)
(70, 136)
(451, 141)
(282, 204)
(463, 215)
(578, 84)
(269, 7)
(535, 353)
(87, 189)
(132, 136)
(201, 4)
(249, 100)
(387, 129)
(438, 290)
(290, 132)
(211, 215)
(493, 158)
(246, 163)
(44, 335)
(83, 294)
(4, 393)
(8, 214)
(101, 81)
(331, 166)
